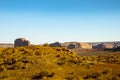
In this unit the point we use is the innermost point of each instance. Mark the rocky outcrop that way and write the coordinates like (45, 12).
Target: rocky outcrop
(99, 45)
(73, 46)
(21, 42)
(86, 46)
(77, 45)
(56, 44)
(91, 45)
(103, 45)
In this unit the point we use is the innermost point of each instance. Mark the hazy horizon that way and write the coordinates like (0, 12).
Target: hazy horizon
(48, 21)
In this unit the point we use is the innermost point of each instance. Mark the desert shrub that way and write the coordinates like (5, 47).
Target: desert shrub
(1, 69)
(24, 60)
(73, 61)
(88, 66)
(58, 49)
(58, 55)
(70, 77)
(42, 74)
(61, 62)
(92, 75)
(9, 61)
(115, 78)
(37, 52)
(20, 65)
(12, 67)
(109, 77)
(91, 58)
(106, 71)
(8, 51)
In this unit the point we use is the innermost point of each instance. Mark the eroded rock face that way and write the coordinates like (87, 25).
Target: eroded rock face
(21, 42)
(73, 45)
(103, 45)
(56, 44)
(77, 45)
(85, 46)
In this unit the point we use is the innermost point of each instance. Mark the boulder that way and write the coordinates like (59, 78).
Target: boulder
(21, 42)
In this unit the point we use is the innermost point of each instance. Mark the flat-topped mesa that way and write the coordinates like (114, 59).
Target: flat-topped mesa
(21, 42)
(85, 46)
(104, 45)
(77, 45)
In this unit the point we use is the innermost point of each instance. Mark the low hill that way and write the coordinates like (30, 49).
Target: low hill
(55, 63)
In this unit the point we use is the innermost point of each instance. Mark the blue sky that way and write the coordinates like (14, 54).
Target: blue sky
(47, 21)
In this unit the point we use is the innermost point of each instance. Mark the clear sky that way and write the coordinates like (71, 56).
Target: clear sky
(47, 21)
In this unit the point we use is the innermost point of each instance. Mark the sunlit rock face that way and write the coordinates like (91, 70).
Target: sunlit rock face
(109, 46)
(85, 46)
(103, 45)
(77, 45)
(21, 42)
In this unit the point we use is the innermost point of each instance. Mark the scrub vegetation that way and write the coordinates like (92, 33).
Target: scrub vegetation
(57, 63)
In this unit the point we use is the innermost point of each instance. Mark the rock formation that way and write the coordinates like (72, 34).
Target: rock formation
(56, 44)
(85, 46)
(21, 42)
(73, 45)
(103, 45)
(77, 45)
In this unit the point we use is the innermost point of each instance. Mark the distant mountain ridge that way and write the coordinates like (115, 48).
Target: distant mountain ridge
(99, 45)
(5, 45)
(88, 45)
(77, 45)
